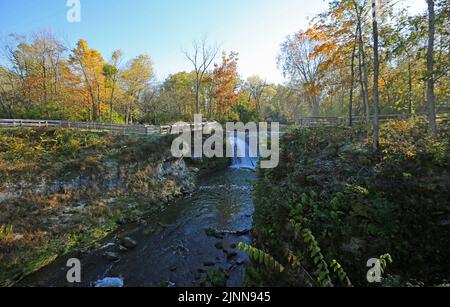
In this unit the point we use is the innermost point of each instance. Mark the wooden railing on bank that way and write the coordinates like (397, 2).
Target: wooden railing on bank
(148, 130)
(142, 130)
(345, 121)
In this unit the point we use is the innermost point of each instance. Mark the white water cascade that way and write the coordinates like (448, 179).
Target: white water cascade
(244, 156)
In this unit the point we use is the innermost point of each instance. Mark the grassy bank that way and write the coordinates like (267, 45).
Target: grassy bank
(70, 189)
(333, 204)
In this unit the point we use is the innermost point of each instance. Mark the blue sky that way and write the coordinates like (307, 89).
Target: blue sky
(163, 28)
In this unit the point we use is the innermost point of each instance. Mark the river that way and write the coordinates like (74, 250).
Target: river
(179, 246)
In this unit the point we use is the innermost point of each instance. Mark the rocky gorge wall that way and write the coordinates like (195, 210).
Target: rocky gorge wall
(57, 197)
(170, 177)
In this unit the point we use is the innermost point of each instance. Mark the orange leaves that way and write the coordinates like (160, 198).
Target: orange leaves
(334, 34)
(225, 79)
(313, 89)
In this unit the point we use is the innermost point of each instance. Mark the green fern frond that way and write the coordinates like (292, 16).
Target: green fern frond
(261, 257)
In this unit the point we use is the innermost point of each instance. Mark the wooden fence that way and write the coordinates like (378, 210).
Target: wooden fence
(143, 130)
(146, 130)
(345, 121)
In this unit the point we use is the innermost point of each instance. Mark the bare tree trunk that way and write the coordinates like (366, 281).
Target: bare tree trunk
(366, 84)
(91, 92)
(201, 58)
(376, 71)
(127, 115)
(352, 84)
(315, 106)
(44, 80)
(197, 96)
(410, 98)
(111, 99)
(363, 64)
(99, 104)
(361, 83)
(430, 68)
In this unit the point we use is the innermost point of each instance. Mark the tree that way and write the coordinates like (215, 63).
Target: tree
(364, 79)
(225, 80)
(7, 93)
(337, 36)
(352, 86)
(298, 61)
(178, 91)
(256, 86)
(430, 68)
(36, 80)
(201, 58)
(111, 73)
(89, 64)
(135, 79)
(376, 69)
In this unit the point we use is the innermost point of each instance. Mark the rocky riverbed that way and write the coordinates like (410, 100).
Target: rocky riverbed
(191, 243)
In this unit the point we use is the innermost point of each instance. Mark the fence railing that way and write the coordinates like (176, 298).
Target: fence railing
(144, 130)
(147, 130)
(345, 121)
(100, 127)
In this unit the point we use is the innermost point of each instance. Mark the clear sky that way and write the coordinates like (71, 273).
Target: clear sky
(163, 28)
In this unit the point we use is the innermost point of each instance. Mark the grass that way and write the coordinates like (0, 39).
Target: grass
(37, 228)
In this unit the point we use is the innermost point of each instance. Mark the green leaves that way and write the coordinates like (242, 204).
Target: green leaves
(261, 257)
(385, 260)
(342, 275)
(324, 278)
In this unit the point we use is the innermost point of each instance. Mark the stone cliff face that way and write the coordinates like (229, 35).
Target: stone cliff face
(67, 194)
(161, 180)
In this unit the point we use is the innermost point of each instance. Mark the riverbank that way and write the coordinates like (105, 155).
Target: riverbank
(333, 204)
(62, 190)
(192, 243)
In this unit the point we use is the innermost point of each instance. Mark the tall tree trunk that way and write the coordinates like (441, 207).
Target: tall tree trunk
(352, 84)
(93, 112)
(366, 83)
(410, 95)
(197, 97)
(315, 106)
(111, 100)
(361, 83)
(376, 72)
(127, 114)
(44, 80)
(363, 64)
(99, 104)
(430, 68)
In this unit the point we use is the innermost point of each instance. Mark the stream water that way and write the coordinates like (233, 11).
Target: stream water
(179, 246)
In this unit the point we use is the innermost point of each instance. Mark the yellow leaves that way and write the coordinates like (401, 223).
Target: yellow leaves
(313, 89)
(325, 49)
(82, 45)
(83, 55)
(318, 33)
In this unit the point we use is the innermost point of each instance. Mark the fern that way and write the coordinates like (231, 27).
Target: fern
(323, 271)
(261, 257)
(343, 277)
(385, 260)
(293, 260)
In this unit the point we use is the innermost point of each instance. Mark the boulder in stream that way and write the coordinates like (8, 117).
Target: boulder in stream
(111, 256)
(128, 243)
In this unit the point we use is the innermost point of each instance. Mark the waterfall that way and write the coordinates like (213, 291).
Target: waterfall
(244, 157)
